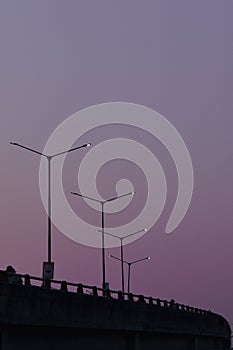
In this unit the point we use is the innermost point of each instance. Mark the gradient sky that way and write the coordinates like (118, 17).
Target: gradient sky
(57, 57)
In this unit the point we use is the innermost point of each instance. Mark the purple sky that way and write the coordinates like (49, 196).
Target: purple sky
(58, 57)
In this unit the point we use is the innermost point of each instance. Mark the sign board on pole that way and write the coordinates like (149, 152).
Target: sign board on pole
(48, 269)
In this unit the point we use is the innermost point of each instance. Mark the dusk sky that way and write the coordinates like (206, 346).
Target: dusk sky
(176, 57)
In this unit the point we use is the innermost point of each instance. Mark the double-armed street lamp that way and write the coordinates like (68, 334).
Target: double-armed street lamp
(102, 203)
(122, 256)
(129, 266)
(49, 159)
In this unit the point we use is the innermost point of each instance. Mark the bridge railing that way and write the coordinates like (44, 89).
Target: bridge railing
(64, 286)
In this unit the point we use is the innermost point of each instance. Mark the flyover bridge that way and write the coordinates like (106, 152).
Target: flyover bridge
(41, 314)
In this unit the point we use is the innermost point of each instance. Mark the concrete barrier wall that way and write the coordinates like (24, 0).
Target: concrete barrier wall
(38, 318)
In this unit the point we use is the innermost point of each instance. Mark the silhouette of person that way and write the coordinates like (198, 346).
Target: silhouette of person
(12, 277)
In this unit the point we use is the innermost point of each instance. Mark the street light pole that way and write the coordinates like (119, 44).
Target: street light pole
(121, 250)
(102, 203)
(49, 159)
(129, 270)
(103, 248)
(122, 270)
(129, 266)
(49, 211)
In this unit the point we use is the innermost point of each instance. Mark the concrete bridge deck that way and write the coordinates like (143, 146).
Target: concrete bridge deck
(33, 317)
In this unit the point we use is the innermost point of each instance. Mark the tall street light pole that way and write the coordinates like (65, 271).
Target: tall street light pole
(129, 266)
(102, 203)
(122, 256)
(49, 159)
